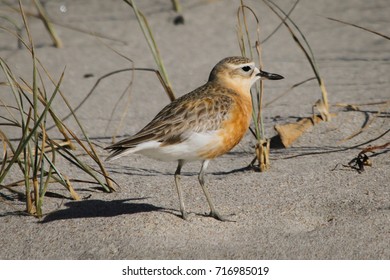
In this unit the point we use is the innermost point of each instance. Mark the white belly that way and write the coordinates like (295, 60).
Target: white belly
(187, 150)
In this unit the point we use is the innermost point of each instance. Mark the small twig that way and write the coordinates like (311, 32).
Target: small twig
(373, 148)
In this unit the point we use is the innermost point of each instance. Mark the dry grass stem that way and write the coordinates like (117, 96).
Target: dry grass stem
(244, 40)
(148, 34)
(48, 25)
(360, 27)
(367, 124)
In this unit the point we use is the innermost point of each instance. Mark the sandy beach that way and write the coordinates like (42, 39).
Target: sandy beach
(306, 206)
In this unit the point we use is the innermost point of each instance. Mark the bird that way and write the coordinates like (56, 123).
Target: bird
(200, 125)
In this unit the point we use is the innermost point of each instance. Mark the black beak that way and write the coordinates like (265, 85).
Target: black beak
(269, 76)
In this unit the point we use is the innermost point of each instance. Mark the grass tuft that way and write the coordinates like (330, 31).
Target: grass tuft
(36, 152)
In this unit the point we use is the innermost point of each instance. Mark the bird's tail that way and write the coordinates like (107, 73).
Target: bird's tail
(118, 153)
(114, 155)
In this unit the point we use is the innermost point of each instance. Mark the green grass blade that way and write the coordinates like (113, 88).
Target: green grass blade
(31, 133)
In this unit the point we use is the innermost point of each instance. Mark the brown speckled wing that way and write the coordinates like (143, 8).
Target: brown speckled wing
(201, 110)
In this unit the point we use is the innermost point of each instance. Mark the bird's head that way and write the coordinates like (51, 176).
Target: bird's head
(239, 73)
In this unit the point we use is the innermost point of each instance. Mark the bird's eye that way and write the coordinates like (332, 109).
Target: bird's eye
(246, 68)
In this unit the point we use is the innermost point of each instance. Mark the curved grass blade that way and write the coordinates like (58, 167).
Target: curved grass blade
(360, 27)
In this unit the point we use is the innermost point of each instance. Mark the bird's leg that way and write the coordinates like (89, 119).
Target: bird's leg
(213, 211)
(184, 214)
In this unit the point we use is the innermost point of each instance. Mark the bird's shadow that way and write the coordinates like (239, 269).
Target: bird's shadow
(99, 208)
(248, 168)
(94, 208)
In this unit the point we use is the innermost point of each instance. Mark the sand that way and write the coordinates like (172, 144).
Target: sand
(306, 206)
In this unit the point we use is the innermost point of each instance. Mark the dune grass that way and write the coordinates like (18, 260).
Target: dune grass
(245, 42)
(36, 152)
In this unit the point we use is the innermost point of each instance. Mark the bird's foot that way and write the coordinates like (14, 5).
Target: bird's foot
(218, 217)
(185, 216)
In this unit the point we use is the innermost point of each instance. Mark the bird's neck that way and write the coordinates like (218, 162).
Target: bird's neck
(241, 87)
